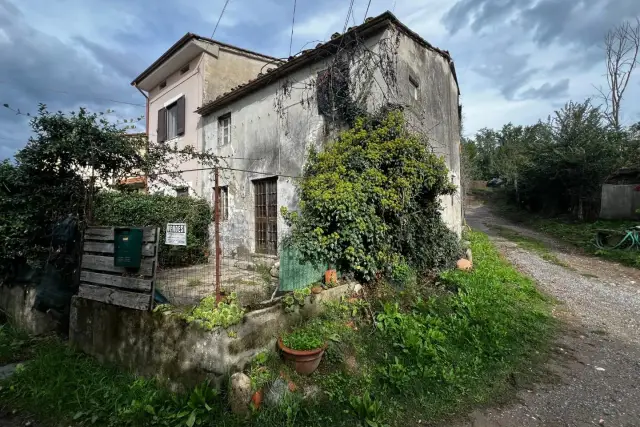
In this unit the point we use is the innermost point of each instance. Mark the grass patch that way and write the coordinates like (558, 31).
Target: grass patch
(61, 387)
(432, 352)
(580, 234)
(15, 345)
(529, 243)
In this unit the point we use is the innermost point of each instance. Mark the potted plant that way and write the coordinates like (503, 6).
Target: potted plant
(304, 347)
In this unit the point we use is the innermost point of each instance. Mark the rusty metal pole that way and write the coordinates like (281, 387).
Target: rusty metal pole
(217, 234)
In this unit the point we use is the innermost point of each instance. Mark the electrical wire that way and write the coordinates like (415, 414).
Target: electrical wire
(346, 21)
(230, 169)
(219, 18)
(366, 11)
(293, 21)
(79, 94)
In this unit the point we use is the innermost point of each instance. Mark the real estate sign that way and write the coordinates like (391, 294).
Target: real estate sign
(176, 234)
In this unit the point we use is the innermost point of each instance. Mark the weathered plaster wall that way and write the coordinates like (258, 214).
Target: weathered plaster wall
(17, 303)
(163, 346)
(272, 134)
(269, 139)
(210, 74)
(434, 113)
(229, 68)
(189, 85)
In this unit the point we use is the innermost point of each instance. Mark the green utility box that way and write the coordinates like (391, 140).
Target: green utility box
(127, 248)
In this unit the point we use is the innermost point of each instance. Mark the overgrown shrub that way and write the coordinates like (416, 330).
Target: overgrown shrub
(371, 197)
(556, 166)
(138, 209)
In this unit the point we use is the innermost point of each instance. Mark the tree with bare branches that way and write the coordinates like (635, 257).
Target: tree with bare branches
(622, 45)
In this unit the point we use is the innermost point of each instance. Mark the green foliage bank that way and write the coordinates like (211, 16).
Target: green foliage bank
(370, 201)
(137, 209)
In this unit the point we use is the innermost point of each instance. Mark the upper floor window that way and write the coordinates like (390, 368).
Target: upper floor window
(414, 87)
(171, 120)
(182, 192)
(224, 129)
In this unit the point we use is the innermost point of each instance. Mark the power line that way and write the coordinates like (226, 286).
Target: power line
(293, 21)
(220, 17)
(346, 21)
(78, 94)
(366, 11)
(227, 168)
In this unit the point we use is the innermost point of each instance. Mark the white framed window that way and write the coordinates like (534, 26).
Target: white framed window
(224, 129)
(414, 87)
(224, 202)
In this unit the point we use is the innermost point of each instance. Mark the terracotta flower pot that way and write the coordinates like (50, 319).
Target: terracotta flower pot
(305, 361)
(256, 399)
(331, 277)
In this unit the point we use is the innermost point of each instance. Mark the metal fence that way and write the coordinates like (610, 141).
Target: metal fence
(249, 260)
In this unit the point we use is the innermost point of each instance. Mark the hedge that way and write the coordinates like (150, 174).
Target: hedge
(141, 210)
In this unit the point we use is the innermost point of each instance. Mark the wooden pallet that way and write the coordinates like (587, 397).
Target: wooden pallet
(101, 280)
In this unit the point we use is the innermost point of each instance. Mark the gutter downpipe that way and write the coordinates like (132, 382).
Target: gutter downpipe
(146, 129)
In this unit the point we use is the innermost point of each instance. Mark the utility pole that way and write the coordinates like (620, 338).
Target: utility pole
(217, 234)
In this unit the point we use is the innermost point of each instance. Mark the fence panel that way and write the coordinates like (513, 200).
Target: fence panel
(101, 280)
(296, 274)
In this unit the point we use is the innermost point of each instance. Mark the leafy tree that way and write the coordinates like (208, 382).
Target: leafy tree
(61, 167)
(370, 200)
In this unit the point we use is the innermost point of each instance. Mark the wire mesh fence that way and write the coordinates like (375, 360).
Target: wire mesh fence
(249, 256)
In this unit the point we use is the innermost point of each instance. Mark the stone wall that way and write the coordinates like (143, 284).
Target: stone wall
(162, 345)
(17, 303)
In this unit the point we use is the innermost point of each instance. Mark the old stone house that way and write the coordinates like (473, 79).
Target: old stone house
(266, 126)
(192, 72)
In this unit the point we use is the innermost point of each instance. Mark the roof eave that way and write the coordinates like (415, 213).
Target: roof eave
(372, 26)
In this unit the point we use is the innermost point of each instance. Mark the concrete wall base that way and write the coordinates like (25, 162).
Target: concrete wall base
(163, 346)
(17, 303)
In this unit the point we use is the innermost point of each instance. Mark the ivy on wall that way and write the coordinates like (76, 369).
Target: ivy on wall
(370, 200)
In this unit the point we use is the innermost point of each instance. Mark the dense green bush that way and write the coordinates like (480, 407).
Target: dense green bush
(138, 209)
(556, 166)
(370, 197)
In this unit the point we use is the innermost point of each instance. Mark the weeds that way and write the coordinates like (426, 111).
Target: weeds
(431, 356)
(59, 385)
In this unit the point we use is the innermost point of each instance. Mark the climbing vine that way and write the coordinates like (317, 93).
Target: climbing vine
(370, 200)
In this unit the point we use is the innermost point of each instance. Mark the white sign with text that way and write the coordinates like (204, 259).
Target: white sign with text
(176, 234)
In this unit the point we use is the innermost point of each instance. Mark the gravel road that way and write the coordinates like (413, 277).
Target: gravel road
(595, 363)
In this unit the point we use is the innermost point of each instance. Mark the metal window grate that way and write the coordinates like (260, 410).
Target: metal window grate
(266, 213)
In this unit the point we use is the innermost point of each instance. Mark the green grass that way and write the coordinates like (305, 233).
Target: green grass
(15, 345)
(432, 354)
(61, 387)
(529, 243)
(580, 234)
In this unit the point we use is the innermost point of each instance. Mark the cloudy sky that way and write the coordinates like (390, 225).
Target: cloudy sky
(517, 60)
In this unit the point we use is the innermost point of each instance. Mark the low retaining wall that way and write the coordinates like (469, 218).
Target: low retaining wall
(17, 303)
(166, 347)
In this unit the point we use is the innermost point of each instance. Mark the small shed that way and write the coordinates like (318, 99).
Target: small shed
(621, 195)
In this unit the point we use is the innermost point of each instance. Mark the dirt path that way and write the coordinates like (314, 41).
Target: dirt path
(595, 364)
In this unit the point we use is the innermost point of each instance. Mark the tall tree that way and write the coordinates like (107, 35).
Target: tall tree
(622, 45)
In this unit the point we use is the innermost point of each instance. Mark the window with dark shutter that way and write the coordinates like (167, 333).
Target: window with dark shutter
(162, 125)
(171, 120)
(181, 107)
